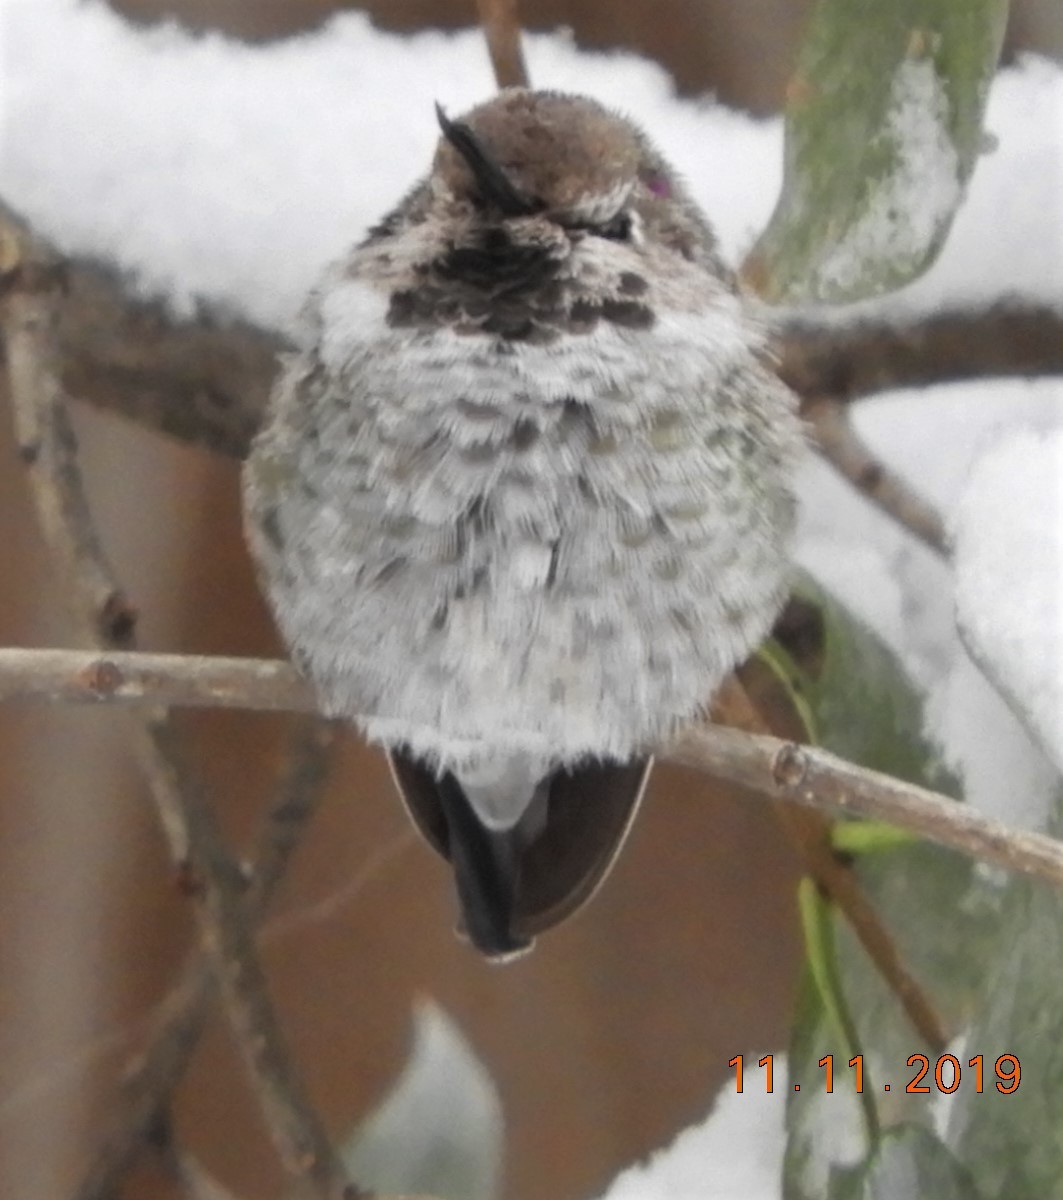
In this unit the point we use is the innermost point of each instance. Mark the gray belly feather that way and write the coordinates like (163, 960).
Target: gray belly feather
(549, 550)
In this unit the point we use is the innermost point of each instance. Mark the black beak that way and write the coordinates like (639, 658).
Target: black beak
(494, 185)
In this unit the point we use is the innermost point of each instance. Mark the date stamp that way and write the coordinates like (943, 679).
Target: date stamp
(942, 1076)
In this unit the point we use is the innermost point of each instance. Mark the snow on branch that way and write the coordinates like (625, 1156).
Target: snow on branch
(205, 379)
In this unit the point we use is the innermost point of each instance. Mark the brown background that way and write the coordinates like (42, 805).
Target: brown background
(608, 1039)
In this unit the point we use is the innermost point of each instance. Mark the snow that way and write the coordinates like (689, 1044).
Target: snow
(210, 171)
(1009, 572)
(276, 158)
(735, 1154)
(440, 1128)
(907, 595)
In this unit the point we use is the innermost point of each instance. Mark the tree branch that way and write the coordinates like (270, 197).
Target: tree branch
(104, 618)
(810, 830)
(770, 766)
(206, 380)
(172, 680)
(821, 356)
(806, 775)
(501, 26)
(176, 1026)
(842, 447)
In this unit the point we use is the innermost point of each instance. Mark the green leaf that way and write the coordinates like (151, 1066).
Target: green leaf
(818, 926)
(868, 837)
(825, 678)
(883, 129)
(439, 1131)
(939, 909)
(823, 1129)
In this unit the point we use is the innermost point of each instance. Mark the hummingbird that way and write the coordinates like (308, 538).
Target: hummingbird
(523, 494)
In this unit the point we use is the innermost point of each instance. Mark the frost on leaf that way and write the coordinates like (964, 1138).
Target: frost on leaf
(910, 207)
(883, 129)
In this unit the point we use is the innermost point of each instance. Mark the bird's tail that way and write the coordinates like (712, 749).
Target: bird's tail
(515, 880)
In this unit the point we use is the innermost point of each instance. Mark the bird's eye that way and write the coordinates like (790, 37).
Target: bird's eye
(616, 230)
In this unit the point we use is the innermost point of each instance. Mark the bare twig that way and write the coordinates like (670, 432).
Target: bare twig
(186, 1172)
(173, 680)
(196, 1182)
(501, 26)
(155, 1031)
(828, 782)
(841, 446)
(810, 830)
(177, 1024)
(218, 888)
(805, 775)
(104, 618)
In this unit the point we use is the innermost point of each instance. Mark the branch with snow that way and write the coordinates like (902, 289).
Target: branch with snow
(184, 245)
(205, 379)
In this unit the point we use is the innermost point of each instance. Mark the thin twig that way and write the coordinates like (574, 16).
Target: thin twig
(218, 887)
(805, 775)
(501, 26)
(152, 1076)
(196, 1182)
(172, 680)
(151, 1029)
(47, 444)
(184, 1169)
(830, 782)
(316, 912)
(810, 831)
(842, 447)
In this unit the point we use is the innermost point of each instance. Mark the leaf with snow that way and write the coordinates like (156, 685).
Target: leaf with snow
(439, 1131)
(908, 1163)
(883, 128)
(1013, 1141)
(1009, 578)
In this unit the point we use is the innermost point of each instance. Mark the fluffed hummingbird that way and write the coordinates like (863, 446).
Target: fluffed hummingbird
(523, 495)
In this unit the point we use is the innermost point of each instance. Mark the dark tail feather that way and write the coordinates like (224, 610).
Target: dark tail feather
(515, 883)
(486, 866)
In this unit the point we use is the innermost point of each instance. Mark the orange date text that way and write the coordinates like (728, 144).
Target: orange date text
(941, 1075)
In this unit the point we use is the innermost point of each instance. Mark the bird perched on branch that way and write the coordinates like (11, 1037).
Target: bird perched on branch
(523, 494)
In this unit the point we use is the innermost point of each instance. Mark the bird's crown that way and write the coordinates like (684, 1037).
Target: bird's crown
(526, 152)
